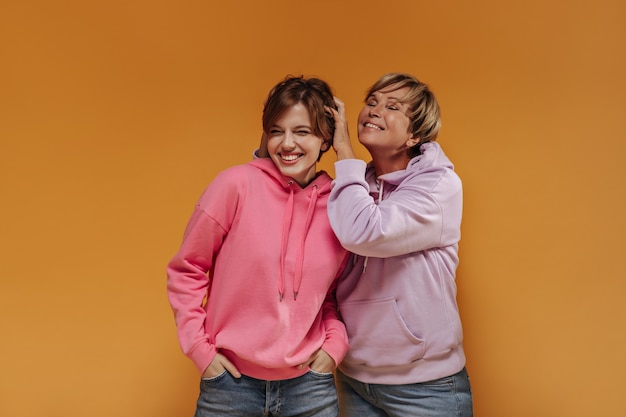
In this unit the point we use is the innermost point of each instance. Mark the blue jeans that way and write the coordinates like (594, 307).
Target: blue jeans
(312, 394)
(446, 397)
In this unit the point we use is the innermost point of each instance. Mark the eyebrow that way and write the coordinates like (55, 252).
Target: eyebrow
(295, 127)
(388, 97)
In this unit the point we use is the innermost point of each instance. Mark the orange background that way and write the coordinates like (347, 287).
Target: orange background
(114, 115)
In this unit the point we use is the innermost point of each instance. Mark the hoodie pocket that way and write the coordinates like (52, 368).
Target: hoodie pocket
(378, 335)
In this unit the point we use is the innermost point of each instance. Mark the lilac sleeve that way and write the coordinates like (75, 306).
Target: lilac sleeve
(421, 213)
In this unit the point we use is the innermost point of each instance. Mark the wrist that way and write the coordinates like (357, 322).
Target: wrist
(345, 152)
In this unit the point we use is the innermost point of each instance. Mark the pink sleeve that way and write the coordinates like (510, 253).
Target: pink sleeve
(187, 284)
(336, 343)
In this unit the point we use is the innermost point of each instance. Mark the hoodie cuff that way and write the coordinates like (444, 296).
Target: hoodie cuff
(336, 346)
(350, 168)
(202, 355)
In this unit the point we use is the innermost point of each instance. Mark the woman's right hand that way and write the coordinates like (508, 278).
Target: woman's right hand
(218, 365)
(341, 139)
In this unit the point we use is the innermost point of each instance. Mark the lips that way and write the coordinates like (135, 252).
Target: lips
(290, 157)
(372, 126)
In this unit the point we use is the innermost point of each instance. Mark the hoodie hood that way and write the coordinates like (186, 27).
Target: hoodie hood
(432, 158)
(320, 186)
(322, 180)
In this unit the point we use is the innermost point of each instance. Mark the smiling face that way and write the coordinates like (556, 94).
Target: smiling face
(383, 124)
(293, 146)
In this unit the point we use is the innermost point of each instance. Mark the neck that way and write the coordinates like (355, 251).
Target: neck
(387, 165)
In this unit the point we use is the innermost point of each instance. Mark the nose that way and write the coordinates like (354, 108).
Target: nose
(289, 142)
(374, 111)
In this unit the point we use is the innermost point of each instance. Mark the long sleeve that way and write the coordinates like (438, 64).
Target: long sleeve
(336, 342)
(422, 212)
(188, 282)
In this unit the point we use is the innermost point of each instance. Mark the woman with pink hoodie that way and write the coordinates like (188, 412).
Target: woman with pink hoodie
(253, 284)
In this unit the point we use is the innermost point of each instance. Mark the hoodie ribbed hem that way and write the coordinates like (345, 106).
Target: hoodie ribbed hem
(422, 370)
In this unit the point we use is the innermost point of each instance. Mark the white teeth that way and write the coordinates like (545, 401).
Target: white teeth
(289, 157)
(373, 126)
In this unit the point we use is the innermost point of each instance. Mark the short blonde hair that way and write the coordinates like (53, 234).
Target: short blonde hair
(423, 109)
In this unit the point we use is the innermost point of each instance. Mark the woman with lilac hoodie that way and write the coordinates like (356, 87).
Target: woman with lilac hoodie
(400, 215)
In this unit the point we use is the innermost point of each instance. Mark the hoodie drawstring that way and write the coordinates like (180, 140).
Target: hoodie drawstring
(300, 256)
(297, 280)
(283, 246)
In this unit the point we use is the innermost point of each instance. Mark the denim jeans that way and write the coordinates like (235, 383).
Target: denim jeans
(446, 397)
(312, 394)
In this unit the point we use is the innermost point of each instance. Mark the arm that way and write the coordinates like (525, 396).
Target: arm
(336, 343)
(188, 276)
(423, 212)
(408, 220)
(187, 285)
(335, 346)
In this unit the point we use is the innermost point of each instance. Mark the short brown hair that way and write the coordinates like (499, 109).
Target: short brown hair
(314, 94)
(423, 109)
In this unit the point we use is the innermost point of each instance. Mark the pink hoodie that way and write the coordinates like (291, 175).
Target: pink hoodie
(261, 249)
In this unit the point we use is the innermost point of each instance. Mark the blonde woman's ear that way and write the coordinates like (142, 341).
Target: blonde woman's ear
(412, 141)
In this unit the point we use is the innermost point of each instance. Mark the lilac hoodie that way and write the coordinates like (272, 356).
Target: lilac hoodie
(261, 249)
(398, 299)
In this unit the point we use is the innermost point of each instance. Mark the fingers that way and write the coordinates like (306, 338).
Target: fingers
(218, 365)
(319, 361)
(307, 363)
(339, 103)
(341, 138)
(339, 111)
(232, 369)
(213, 370)
(323, 362)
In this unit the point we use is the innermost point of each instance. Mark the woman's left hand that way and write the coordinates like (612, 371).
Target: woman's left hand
(320, 362)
